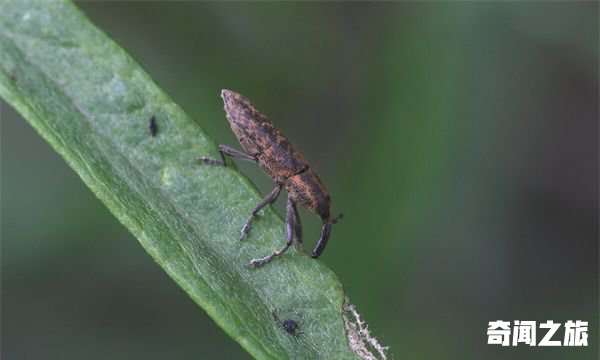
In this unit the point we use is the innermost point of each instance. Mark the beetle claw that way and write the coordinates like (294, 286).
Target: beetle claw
(245, 230)
(254, 263)
(262, 261)
(210, 161)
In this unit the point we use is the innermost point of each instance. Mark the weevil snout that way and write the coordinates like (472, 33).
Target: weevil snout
(325, 232)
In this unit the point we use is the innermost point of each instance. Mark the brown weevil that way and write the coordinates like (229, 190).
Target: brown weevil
(266, 145)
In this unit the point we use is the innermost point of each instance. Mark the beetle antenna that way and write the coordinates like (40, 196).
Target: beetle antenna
(337, 218)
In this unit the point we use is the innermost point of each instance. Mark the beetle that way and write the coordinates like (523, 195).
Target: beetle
(265, 145)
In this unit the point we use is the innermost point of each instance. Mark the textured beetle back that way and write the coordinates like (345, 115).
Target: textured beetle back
(260, 138)
(307, 190)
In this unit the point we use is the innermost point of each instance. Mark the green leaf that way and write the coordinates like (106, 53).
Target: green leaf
(92, 103)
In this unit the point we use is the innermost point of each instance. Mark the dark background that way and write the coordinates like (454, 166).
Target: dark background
(459, 140)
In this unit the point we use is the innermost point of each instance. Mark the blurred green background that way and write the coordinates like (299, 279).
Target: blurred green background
(459, 140)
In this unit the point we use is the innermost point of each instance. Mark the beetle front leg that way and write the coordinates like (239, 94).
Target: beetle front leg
(224, 149)
(269, 199)
(289, 229)
(297, 230)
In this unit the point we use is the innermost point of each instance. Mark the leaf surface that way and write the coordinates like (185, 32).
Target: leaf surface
(92, 103)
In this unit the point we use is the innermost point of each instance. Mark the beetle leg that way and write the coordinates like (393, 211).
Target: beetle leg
(224, 149)
(289, 228)
(297, 230)
(266, 201)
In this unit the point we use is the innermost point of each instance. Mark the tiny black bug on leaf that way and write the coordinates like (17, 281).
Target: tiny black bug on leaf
(266, 145)
(289, 325)
(152, 126)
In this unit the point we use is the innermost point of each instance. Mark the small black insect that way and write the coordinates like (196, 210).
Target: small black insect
(153, 127)
(289, 325)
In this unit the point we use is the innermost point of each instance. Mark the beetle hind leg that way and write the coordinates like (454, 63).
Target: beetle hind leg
(289, 228)
(224, 149)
